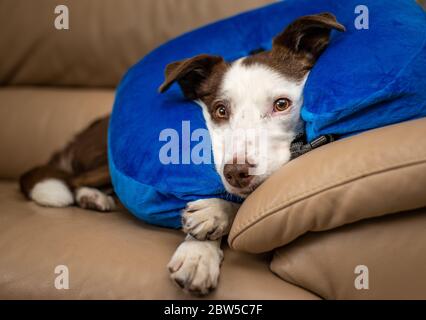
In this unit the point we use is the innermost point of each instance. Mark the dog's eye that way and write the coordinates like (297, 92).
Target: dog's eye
(281, 104)
(221, 112)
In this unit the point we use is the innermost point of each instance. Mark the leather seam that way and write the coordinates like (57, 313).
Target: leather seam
(316, 190)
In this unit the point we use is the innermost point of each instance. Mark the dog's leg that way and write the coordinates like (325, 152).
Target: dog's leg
(195, 265)
(94, 199)
(52, 187)
(87, 190)
(208, 218)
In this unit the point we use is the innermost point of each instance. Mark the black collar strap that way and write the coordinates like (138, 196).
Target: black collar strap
(300, 146)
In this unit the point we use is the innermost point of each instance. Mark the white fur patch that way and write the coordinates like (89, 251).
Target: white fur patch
(52, 193)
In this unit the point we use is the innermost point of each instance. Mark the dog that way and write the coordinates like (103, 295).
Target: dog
(263, 91)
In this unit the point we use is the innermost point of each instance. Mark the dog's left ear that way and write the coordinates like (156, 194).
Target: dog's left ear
(307, 37)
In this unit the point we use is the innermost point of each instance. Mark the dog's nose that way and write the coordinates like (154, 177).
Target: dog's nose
(237, 175)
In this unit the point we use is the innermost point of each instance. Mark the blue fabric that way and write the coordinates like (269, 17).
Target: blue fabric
(369, 78)
(365, 79)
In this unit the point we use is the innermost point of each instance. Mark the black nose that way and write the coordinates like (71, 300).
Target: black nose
(237, 175)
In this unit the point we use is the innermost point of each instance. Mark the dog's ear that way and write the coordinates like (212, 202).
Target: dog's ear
(307, 37)
(190, 73)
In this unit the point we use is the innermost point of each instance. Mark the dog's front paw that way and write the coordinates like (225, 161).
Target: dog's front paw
(195, 266)
(208, 218)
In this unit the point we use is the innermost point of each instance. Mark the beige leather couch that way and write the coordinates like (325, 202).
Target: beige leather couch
(349, 215)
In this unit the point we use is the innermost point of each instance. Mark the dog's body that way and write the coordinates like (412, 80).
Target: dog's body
(77, 174)
(261, 94)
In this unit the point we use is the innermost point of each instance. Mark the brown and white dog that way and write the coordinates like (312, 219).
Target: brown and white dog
(263, 91)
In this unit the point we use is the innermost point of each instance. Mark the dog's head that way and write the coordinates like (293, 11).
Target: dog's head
(252, 105)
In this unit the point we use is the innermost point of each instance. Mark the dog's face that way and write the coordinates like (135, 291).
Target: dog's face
(252, 105)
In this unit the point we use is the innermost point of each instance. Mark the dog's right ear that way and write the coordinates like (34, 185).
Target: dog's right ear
(190, 73)
(307, 37)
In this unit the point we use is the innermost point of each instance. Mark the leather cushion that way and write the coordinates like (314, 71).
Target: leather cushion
(104, 39)
(378, 172)
(109, 256)
(392, 248)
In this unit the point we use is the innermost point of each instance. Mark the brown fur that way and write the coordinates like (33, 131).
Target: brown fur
(86, 152)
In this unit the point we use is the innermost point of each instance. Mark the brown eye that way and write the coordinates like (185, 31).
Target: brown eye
(221, 112)
(281, 104)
